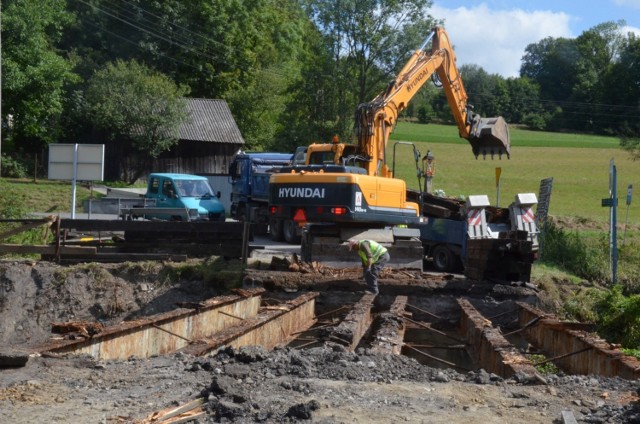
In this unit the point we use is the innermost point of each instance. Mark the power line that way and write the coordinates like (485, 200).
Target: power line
(150, 32)
(159, 34)
(136, 44)
(197, 34)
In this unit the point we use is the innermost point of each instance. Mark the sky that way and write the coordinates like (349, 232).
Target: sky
(494, 33)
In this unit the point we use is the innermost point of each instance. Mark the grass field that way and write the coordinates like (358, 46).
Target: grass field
(41, 196)
(578, 164)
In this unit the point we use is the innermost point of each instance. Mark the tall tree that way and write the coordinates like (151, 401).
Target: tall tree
(311, 107)
(137, 107)
(367, 41)
(524, 100)
(35, 74)
(488, 93)
(623, 83)
(243, 52)
(598, 48)
(551, 63)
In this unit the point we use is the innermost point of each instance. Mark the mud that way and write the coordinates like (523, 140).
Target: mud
(323, 384)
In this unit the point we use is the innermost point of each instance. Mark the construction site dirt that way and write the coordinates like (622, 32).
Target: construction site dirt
(430, 348)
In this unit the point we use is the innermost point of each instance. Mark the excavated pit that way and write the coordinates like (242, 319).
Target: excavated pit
(480, 332)
(465, 333)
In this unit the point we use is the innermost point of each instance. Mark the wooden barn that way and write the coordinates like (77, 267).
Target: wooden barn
(208, 140)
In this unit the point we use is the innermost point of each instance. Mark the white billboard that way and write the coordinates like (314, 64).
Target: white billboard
(86, 160)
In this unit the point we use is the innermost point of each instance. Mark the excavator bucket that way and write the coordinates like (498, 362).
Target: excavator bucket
(490, 136)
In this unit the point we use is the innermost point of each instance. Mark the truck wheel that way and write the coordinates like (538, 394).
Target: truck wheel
(289, 231)
(443, 259)
(275, 228)
(241, 212)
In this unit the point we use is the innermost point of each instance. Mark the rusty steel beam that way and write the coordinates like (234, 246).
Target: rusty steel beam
(228, 228)
(166, 332)
(45, 249)
(390, 336)
(351, 330)
(489, 347)
(576, 351)
(268, 329)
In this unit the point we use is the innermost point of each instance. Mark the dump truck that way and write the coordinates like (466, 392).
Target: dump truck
(249, 174)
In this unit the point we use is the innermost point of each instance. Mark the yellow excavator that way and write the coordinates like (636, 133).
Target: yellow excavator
(344, 189)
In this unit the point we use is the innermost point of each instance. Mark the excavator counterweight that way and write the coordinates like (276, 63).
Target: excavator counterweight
(490, 136)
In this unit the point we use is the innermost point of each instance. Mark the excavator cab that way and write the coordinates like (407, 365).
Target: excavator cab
(489, 136)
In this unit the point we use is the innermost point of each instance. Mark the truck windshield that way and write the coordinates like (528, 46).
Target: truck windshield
(194, 188)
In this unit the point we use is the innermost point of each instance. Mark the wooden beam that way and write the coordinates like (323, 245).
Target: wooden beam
(28, 225)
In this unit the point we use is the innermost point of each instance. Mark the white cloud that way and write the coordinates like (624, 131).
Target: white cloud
(496, 39)
(626, 29)
(630, 3)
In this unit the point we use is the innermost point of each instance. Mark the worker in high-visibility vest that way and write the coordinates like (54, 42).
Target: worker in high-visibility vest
(373, 256)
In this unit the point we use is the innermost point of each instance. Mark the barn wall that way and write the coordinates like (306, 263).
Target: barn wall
(188, 157)
(191, 157)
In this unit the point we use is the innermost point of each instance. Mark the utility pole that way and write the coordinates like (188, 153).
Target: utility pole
(1, 92)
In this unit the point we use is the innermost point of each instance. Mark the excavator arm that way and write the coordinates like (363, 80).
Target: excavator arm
(375, 120)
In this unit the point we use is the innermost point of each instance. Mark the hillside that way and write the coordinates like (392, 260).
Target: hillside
(578, 164)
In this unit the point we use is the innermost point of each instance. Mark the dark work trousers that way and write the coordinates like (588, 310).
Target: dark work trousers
(371, 274)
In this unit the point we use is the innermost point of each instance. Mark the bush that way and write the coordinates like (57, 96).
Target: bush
(615, 311)
(534, 121)
(629, 265)
(581, 306)
(586, 258)
(619, 318)
(12, 168)
(423, 115)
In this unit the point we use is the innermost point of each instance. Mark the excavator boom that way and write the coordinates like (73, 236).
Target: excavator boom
(486, 135)
(376, 119)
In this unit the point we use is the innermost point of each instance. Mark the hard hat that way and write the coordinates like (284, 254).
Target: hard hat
(352, 243)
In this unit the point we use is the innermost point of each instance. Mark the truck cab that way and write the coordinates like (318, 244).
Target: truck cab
(249, 177)
(184, 192)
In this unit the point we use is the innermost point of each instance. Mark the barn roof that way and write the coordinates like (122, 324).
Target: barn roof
(210, 120)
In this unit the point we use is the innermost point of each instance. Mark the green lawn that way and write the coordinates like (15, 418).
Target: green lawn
(41, 196)
(578, 164)
(436, 133)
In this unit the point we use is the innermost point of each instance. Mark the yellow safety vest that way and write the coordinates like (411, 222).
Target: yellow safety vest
(377, 251)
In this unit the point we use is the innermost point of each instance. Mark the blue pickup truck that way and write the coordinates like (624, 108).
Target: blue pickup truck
(178, 197)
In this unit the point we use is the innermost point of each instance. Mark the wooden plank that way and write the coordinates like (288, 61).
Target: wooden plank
(179, 412)
(26, 227)
(47, 250)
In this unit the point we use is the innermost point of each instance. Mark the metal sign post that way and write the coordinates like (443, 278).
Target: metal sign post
(498, 172)
(626, 219)
(74, 181)
(612, 203)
